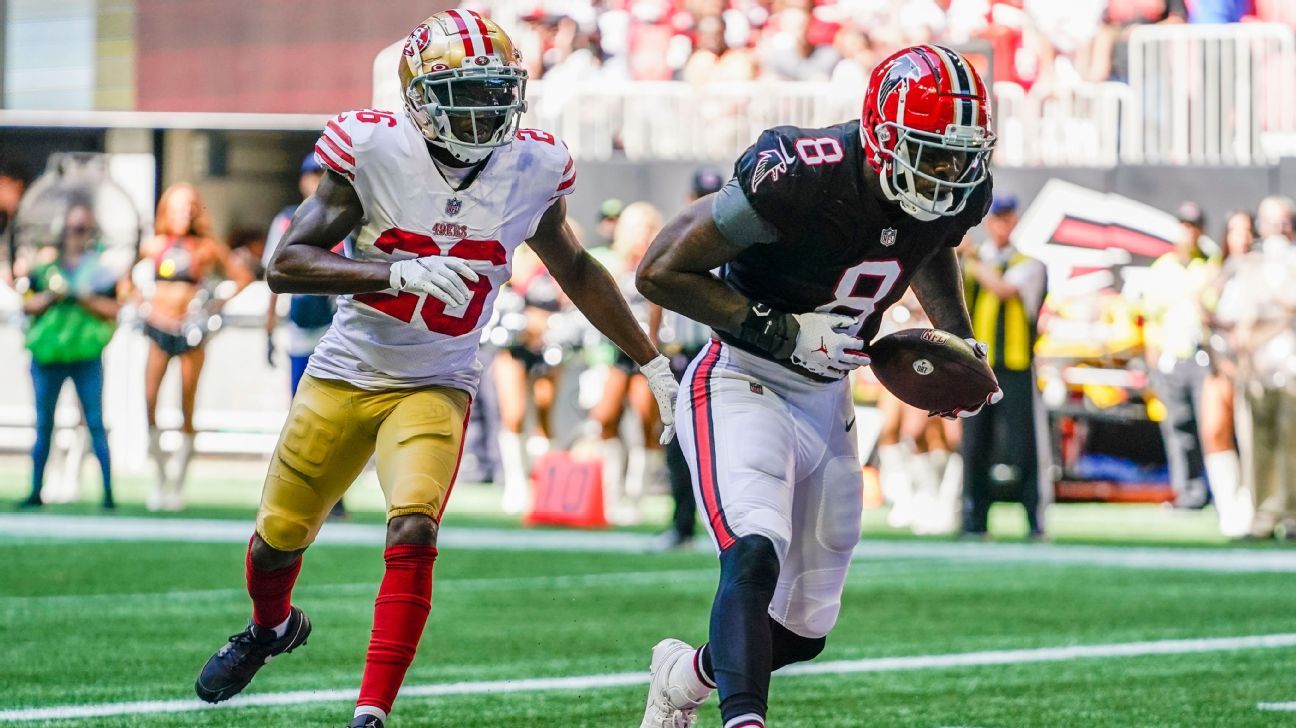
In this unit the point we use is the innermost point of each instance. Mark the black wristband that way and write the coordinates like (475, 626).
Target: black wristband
(768, 330)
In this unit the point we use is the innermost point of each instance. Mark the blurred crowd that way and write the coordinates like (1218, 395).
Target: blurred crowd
(702, 41)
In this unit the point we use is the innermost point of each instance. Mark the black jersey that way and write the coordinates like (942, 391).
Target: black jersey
(839, 247)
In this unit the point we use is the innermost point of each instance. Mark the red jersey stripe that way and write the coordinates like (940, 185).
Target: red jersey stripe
(341, 133)
(342, 154)
(328, 161)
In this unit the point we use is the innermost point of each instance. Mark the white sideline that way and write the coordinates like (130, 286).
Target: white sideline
(99, 528)
(1278, 707)
(588, 682)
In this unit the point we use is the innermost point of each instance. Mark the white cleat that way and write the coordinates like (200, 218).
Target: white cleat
(671, 703)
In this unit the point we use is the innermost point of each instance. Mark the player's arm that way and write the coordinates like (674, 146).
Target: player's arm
(939, 287)
(588, 284)
(676, 270)
(304, 262)
(990, 279)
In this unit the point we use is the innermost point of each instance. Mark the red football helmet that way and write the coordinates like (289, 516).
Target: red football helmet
(926, 130)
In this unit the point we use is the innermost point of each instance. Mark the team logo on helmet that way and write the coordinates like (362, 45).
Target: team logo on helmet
(418, 40)
(904, 71)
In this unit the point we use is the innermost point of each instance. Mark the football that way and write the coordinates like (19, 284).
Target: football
(932, 370)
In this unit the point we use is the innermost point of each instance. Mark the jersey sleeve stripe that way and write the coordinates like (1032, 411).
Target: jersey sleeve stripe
(322, 155)
(567, 183)
(341, 154)
(341, 133)
(568, 168)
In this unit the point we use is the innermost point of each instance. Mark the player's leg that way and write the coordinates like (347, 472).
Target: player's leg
(419, 446)
(738, 438)
(826, 508)
(324, 445)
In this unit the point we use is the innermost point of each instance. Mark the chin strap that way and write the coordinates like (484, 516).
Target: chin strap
(905, 203)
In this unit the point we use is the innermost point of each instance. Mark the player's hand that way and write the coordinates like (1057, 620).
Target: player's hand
(439, 276)
(270, 350)
(982, 352)
(664, 387)
(822, 349)
(962, 414)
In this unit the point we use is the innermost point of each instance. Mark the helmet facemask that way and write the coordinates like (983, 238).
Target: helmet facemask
(933, 175)
(468, 111)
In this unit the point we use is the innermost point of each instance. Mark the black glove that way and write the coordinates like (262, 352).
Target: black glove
(270, 350)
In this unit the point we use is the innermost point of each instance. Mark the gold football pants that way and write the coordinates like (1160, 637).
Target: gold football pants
(333, 428)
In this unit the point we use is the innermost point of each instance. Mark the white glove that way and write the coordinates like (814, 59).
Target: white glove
(822, 349)
(982, 351)
(439, 276)
(664, 387)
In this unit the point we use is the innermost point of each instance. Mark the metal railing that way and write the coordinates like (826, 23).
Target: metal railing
(1211, 94)
(645, 120)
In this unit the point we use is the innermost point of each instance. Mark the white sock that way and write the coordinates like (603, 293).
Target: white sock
(925, 482)
(684, 674)
(281, 629)
(747, 720)
(183, 456)
(537, 445)
(614, 464)
(158, 455)
(378, 713)
(897, 487)
(949, 497)
(1232, 502)
(513, 460)
(636, 462)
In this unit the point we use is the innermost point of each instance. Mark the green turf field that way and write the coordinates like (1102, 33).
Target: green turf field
(121, 621)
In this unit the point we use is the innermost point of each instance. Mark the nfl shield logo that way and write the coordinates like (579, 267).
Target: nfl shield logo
(453, 205)
(889, 237)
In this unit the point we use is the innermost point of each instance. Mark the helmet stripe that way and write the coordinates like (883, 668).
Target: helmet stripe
(483, 31)
(464, 34)
(962, 82)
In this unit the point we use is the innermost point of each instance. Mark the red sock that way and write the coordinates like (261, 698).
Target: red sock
(271, 592)
(400, 611)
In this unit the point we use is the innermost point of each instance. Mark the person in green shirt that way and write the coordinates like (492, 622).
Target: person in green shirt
(71, 303)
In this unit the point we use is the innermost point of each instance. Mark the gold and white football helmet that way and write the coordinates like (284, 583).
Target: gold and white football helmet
(463, 83)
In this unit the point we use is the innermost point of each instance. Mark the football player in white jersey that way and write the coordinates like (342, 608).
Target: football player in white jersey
(443, 193)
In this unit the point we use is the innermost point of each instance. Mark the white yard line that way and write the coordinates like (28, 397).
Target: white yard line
(1277, 707)
(626, 679)
(99, 528)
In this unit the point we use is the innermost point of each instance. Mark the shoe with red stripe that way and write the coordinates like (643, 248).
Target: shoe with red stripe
(677, 686)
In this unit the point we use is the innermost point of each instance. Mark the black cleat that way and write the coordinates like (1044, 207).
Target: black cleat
(365, 720)
(234, 665)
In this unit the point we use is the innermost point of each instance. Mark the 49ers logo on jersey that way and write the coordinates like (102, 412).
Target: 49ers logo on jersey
(418, 41)
(449, 230)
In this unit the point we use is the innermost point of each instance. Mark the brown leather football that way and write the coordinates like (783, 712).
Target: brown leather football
(932, 370)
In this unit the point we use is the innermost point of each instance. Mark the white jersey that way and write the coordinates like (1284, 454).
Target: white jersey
(389, 340)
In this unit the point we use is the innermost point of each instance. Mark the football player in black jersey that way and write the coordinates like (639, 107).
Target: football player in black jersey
(818, 232)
